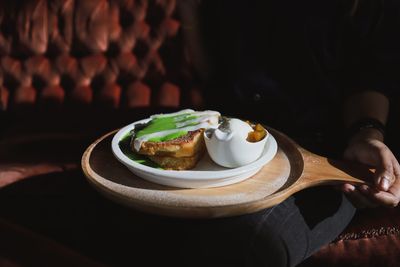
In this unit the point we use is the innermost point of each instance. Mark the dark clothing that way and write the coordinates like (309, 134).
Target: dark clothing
(290, 63)
(283, 235)
(64, 207)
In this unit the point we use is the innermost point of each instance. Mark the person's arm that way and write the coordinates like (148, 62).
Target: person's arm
(366, 145)
(368, 104)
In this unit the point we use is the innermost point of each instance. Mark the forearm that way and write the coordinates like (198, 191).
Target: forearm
(367, 104)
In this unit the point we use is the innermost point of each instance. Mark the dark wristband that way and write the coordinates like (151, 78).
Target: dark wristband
(366, 123)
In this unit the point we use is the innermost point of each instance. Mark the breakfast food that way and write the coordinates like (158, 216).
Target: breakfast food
(175, 140)
(257, 134)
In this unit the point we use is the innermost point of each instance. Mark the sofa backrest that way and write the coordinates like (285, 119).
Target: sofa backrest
(116, 53)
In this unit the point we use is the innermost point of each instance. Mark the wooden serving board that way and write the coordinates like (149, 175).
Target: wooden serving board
(291, 170)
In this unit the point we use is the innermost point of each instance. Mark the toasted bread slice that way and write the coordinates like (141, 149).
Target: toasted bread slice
(185, 146)
(178, 152)
(173, 163)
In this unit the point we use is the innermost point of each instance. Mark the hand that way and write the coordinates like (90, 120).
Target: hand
(367, 147)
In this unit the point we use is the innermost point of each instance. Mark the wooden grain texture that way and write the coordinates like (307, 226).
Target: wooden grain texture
(292, 169)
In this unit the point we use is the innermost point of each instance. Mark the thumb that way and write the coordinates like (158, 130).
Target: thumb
(384, 177)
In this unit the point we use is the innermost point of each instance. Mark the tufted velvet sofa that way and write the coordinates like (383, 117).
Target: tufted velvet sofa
(72, 70)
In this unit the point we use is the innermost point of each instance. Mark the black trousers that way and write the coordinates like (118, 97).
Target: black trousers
(66, 209)
(284, 235)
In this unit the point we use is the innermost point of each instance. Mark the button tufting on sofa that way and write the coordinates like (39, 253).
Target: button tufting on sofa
(91, 51)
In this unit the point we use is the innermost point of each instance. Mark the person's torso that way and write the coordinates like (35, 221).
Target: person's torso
(282, 59)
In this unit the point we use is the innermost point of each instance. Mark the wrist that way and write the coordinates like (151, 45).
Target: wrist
(367, 134)
(366, 128)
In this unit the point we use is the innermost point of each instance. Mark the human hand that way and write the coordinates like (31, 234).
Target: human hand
(367, 147)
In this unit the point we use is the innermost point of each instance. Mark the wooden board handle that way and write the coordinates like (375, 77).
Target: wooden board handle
(320, 170)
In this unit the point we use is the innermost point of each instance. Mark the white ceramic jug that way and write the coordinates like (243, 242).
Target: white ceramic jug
(228, 146)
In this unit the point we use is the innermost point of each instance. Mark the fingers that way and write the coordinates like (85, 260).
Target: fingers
(384, 175)
(356, 196)
(367, 197)
(390, 198)
(396, 168)
(383, 198)
(384, 180)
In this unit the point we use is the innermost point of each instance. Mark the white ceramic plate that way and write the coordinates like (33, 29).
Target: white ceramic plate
(205, 174)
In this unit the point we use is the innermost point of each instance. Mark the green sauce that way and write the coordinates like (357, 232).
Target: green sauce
(166, 123)
(168, 137)
(124, 145)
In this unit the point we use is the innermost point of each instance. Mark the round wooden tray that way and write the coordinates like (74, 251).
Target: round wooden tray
(292, 169)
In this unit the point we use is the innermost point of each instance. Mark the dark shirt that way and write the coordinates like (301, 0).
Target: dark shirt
(292, 62)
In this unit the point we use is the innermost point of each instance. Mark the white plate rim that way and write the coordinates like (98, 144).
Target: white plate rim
(194, 175)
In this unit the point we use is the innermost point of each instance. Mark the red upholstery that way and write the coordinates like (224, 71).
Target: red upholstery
(372, 239)
(116, 53)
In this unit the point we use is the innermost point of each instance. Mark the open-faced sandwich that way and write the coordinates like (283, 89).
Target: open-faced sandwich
(175, 140)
